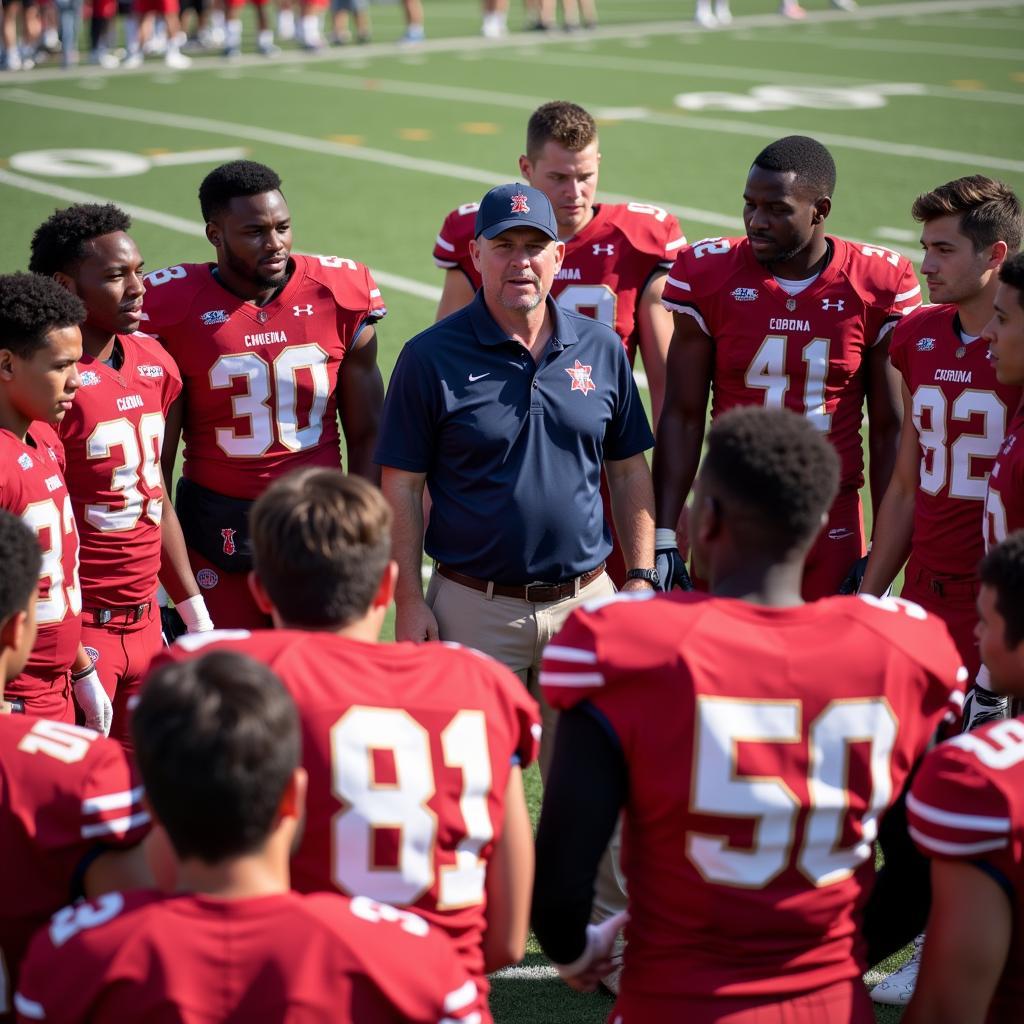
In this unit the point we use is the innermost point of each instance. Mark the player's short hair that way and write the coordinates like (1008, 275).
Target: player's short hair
(776, 465)
(22, 559)
(31, 306)
(989, 211)
(216, 740)
(559, 121)
(1002, 569)
(1012, 273)
(59, 243)
(321, 541)
(807, 158)
(234, 179)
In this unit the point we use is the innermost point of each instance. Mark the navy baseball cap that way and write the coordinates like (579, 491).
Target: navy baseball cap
(515, 206)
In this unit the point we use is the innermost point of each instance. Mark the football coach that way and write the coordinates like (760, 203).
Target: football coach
(506, 411)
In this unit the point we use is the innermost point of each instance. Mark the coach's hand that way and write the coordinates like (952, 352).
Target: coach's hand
(415, 621)
(93, 700)
(669, 563)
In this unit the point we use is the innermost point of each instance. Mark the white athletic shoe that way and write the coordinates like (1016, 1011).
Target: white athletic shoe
(177, 59)
(723, 14)
(845, 5)
(897, 989)
(704, 16)
(132, 60)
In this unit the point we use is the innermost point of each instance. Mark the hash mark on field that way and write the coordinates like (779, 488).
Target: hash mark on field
(348, 140)
(479, 128)
(415, 134)
(967, 84)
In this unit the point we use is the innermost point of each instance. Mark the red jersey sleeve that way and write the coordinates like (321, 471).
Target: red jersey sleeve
(355, 292)
(698, 274)
(899, 342)
(653, 232)
(888, 285)
(169, 295)
(956, 809)
(451, 247)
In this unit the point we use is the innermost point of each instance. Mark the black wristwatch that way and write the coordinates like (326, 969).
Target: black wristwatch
(651, 575)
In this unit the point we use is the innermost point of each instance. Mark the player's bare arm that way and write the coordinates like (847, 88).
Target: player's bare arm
(172, 434)
(404, 492)
(632, 496)
(885, 415)
(360, 397)
(509, 881)
(456, 293)
(894, 522)
(118, 871)
(968, 937)
(655, 326)
(680, 433)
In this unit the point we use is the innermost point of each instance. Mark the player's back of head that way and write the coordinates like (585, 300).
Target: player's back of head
(1002, 569)
(321, 542)
(234, 179)
(217, 741)
(1011, 272)
(806, 158)
(31, 306)
(60, 242)
(775, 475)
(989, 210)
(21, 559)
(567, 124)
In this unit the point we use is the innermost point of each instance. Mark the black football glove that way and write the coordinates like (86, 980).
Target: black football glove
(171, 624)
(671, 570)
(855, 577)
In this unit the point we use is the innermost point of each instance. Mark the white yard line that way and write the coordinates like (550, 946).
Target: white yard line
(475, 44)
(303, 143)
(910, 46)
(429, 292)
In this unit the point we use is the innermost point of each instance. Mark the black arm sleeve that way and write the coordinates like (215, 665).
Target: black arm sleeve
(584, 793)
(898, 906)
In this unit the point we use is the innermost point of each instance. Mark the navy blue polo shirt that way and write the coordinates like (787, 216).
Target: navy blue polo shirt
(512, 450)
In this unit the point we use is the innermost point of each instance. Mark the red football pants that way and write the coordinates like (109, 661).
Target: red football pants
(123, 652)
(46, 698)
(838, 546)
(227, 595)
(952, 599)
(845, 1001)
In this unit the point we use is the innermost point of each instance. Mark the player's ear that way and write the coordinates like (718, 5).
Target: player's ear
(259, 593)
(822, 208)
(526, 168)
(386, 590)
(6, 364)
(997, 254)
(66, 281)
(293, 799)
(213, 234)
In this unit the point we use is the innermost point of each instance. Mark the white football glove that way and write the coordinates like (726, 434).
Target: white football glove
(194, 614)
(600, 946)
(94, 702)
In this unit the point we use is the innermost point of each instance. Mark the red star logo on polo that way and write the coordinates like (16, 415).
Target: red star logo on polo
(581, 378)
(519, 203)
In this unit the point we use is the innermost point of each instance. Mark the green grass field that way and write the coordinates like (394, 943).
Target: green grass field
(375, 144)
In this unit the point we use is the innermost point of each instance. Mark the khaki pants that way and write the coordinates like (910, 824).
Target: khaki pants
(515, 632)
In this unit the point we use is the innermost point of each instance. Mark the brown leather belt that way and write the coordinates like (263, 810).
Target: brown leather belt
(538, 593)
(126, 615)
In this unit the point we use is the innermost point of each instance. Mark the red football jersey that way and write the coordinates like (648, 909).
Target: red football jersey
(408, 749)
(193, 959)
(967, 803)
(32, 487)
(762, 747)
(607, 265)
(804, 352)
(112, 438)
(1004, 501)
(63, 791)
(960, 412)
(260, 381)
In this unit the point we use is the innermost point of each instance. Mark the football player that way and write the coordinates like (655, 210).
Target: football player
(112, 437)
(272, 348)
(71, 814)
(792, 317)
(1004, 502)
(40, 344)
(616, 259)
(966, 812)
(752, 790)
(218, 745)
(955, 413)
(414, 752)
